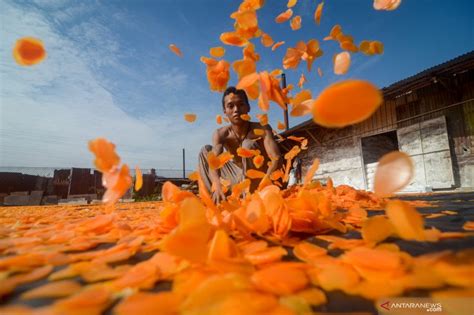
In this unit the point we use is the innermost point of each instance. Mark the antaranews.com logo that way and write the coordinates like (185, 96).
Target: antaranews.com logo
(427, 306)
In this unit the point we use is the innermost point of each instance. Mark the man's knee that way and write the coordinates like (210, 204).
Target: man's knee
(205, 150)
(250, 144)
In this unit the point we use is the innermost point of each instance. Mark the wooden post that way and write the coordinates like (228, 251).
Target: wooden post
(362, 163)
(285, 112)
(184, 164)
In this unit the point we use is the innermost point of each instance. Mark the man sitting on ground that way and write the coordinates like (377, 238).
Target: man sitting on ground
(239, 133)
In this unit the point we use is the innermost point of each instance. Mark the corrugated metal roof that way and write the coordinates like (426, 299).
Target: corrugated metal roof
(460, 63)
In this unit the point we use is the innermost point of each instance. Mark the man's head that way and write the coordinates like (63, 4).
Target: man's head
(234, 104)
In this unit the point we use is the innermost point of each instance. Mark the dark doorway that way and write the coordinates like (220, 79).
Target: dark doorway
(374, 147)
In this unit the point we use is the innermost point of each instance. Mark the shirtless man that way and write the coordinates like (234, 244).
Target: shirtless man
(240, 133)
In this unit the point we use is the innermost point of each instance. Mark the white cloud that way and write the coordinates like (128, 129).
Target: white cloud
(71, 12)
(173, 80)
(52, 4)
(50, 111)
(364, 63)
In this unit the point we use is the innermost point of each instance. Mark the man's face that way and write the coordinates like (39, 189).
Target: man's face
(234, 106)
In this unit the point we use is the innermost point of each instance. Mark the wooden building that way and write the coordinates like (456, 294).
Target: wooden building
(430, 116)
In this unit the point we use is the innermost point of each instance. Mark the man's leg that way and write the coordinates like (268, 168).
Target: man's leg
(203, 166)
(229, 171)
(232, 172)
(248, 162)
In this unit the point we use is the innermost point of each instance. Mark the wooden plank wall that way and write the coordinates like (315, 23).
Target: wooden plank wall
(423, 104)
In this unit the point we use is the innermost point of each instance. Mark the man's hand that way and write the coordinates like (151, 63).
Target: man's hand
(218, 195)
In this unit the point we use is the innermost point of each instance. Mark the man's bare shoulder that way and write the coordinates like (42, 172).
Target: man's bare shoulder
(222, 132)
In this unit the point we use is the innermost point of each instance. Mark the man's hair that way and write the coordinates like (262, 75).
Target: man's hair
(234, 90)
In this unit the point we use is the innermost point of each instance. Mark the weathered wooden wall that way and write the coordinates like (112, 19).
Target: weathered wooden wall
(451, 96)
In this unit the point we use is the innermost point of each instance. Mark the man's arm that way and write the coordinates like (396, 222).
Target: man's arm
(272, 149)
(217, 148)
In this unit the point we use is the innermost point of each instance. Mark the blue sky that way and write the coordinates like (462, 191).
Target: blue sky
(109, 71)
